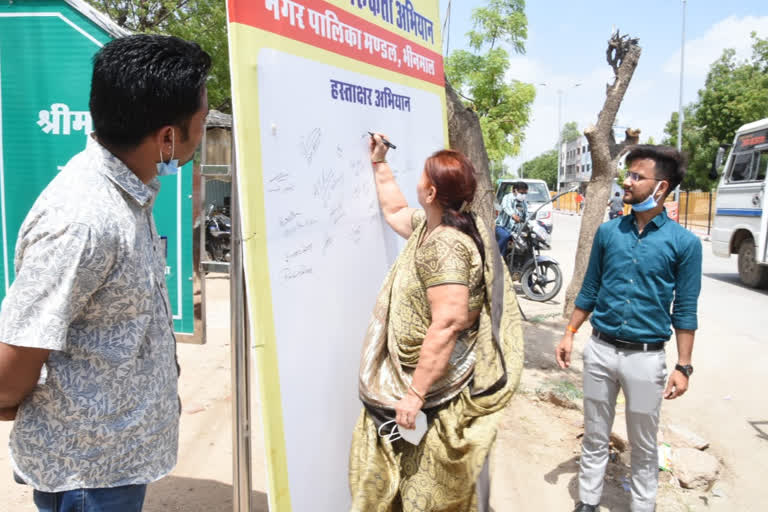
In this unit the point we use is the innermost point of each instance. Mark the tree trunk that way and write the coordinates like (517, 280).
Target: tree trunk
(465, 135)
(605, 157)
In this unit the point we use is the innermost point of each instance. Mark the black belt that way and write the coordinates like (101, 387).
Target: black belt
(628, 345)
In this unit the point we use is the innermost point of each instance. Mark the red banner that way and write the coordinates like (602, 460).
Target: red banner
(331, 28)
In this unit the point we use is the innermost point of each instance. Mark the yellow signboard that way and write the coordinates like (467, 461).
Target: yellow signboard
(310, 79)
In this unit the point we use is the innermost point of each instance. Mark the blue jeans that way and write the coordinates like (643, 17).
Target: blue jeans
(502, 237)
(128, 498)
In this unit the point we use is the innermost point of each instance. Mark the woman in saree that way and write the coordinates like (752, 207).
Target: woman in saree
(444, 338)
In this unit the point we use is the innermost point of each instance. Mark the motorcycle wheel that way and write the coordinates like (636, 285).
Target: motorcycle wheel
(545, 284)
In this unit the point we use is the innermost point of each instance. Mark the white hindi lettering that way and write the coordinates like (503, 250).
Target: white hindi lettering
(372, 43)
(274, 6)
(289, 9)
(392, 53)
(430, 67)
(61, 121)
(408, 56)
(82, 121)
(353, 36)
(336, 27)
(328, 26)
(319, 23)
(417, 61)
(294, 11)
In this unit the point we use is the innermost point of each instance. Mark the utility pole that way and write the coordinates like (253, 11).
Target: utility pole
(559, 133)
(560, 93)
(680, 114)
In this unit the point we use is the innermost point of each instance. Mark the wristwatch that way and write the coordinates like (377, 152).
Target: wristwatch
(686, 369)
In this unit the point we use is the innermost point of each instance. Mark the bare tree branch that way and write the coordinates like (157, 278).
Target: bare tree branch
(179, 5)
(623, 55)
(465, 97)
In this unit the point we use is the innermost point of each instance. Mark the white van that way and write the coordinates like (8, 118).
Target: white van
(538, 194)
(741, 209)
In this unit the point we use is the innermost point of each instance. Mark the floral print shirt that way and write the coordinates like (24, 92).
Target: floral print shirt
(90, 287)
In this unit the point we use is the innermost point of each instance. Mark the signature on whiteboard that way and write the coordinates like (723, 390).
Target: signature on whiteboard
(356, 233)
(327, 243)
(290, 273)
(337, 213)
(310, 143)
(326, 185)
(281, 182)
(306, 249)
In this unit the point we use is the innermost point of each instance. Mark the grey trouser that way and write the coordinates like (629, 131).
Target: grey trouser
(642, 376)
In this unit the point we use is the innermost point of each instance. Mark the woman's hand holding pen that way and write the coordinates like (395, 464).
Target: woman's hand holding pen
(378, 149)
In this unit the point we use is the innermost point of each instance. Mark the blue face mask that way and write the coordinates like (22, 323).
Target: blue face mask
(171, 167)
(649, 203)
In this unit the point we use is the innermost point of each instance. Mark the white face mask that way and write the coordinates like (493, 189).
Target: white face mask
(412, 436)
(171, 167)
(521, 197)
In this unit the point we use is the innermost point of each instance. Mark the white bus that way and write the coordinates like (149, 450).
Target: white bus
(741, 215)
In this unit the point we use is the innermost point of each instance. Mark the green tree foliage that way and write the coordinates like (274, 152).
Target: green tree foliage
(202, 21)
(735, 93)
(543, 167)
(502, 20)
(570, 132)
(502, 105)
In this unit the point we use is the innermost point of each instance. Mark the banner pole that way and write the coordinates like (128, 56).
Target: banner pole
(241, 389)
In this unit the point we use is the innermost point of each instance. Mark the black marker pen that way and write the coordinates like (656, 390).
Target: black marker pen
(386, 142)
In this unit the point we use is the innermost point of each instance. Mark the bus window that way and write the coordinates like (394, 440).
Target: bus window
(762, 166)
(741, 169)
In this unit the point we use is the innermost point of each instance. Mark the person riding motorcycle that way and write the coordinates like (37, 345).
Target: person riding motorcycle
(513, 214)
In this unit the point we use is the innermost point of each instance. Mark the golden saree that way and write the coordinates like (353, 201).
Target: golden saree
(464, 407)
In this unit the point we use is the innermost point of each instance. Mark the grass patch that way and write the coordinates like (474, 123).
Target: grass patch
(543, 318)
(564, 388)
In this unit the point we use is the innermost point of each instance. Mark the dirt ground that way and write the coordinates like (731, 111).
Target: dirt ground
(535, 461)
(534, 465)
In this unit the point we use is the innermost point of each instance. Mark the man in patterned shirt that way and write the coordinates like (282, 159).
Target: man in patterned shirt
(87, 352)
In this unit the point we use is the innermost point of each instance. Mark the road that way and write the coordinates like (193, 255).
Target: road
(726, 402)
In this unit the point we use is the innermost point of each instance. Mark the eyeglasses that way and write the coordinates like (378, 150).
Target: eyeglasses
(633, 176)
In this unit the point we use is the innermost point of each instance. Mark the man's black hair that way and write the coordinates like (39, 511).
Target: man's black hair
(670, 164)
(522, 186)
(143, 82)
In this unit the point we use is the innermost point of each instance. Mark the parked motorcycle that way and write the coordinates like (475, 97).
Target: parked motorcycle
(539, 275)
(218, 235)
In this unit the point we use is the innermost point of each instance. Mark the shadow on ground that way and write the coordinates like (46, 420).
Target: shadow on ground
(542, 336)
(179, 494)
(733, 278)
(761, 427)
(616, 494)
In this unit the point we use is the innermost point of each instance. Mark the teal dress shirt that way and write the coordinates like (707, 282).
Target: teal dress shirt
(638, 284)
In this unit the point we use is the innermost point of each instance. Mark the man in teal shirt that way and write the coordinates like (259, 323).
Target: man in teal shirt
(640, 265)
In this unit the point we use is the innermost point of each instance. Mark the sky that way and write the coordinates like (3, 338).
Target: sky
(566, 46)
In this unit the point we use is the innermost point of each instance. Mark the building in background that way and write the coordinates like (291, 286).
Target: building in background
(576, 161)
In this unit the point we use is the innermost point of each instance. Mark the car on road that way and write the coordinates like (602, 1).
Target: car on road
(538, 194)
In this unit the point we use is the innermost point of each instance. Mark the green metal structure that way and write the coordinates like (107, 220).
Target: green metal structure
(46, 52)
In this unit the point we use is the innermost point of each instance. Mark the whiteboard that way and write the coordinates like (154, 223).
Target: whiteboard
(328, 249)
